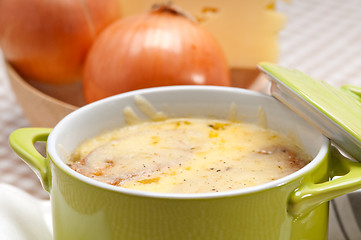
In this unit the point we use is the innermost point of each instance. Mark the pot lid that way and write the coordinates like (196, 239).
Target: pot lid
(336, 112)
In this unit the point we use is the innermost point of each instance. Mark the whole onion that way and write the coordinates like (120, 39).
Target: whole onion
(47, 40)
(158, 48)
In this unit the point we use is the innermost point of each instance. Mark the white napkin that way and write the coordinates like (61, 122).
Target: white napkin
(23, 217)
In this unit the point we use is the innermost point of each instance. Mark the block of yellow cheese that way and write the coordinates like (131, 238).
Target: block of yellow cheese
(246, 29)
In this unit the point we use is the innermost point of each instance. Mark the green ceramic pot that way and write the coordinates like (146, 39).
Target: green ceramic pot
(294, 207)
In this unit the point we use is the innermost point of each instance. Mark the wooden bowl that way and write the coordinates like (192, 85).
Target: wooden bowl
(44, 105)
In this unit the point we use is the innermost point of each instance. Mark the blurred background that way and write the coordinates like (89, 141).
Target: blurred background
(323, 39)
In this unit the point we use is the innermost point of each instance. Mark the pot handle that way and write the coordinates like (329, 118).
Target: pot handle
(310, 195)
(22, 142)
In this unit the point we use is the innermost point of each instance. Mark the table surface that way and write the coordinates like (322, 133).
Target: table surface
(321, 38)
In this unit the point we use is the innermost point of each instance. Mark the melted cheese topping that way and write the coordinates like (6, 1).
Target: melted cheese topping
(188, 156)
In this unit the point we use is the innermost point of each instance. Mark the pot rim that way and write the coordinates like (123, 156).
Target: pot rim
(55, 159)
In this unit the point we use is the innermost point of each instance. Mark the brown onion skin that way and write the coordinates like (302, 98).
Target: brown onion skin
(149, 50)
(47, 41)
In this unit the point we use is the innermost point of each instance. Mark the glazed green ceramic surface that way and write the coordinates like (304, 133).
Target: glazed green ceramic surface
(261, 215)
(342, 105)
(339, 108)
(295, 209)
(22, 141)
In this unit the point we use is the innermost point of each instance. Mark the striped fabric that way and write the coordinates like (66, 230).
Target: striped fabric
(345, 217)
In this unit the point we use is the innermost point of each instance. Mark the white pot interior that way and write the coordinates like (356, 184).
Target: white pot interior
(180, 101)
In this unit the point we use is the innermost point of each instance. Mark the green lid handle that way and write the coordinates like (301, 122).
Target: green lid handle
(22, 142)
(309, 196)
(353, 91)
